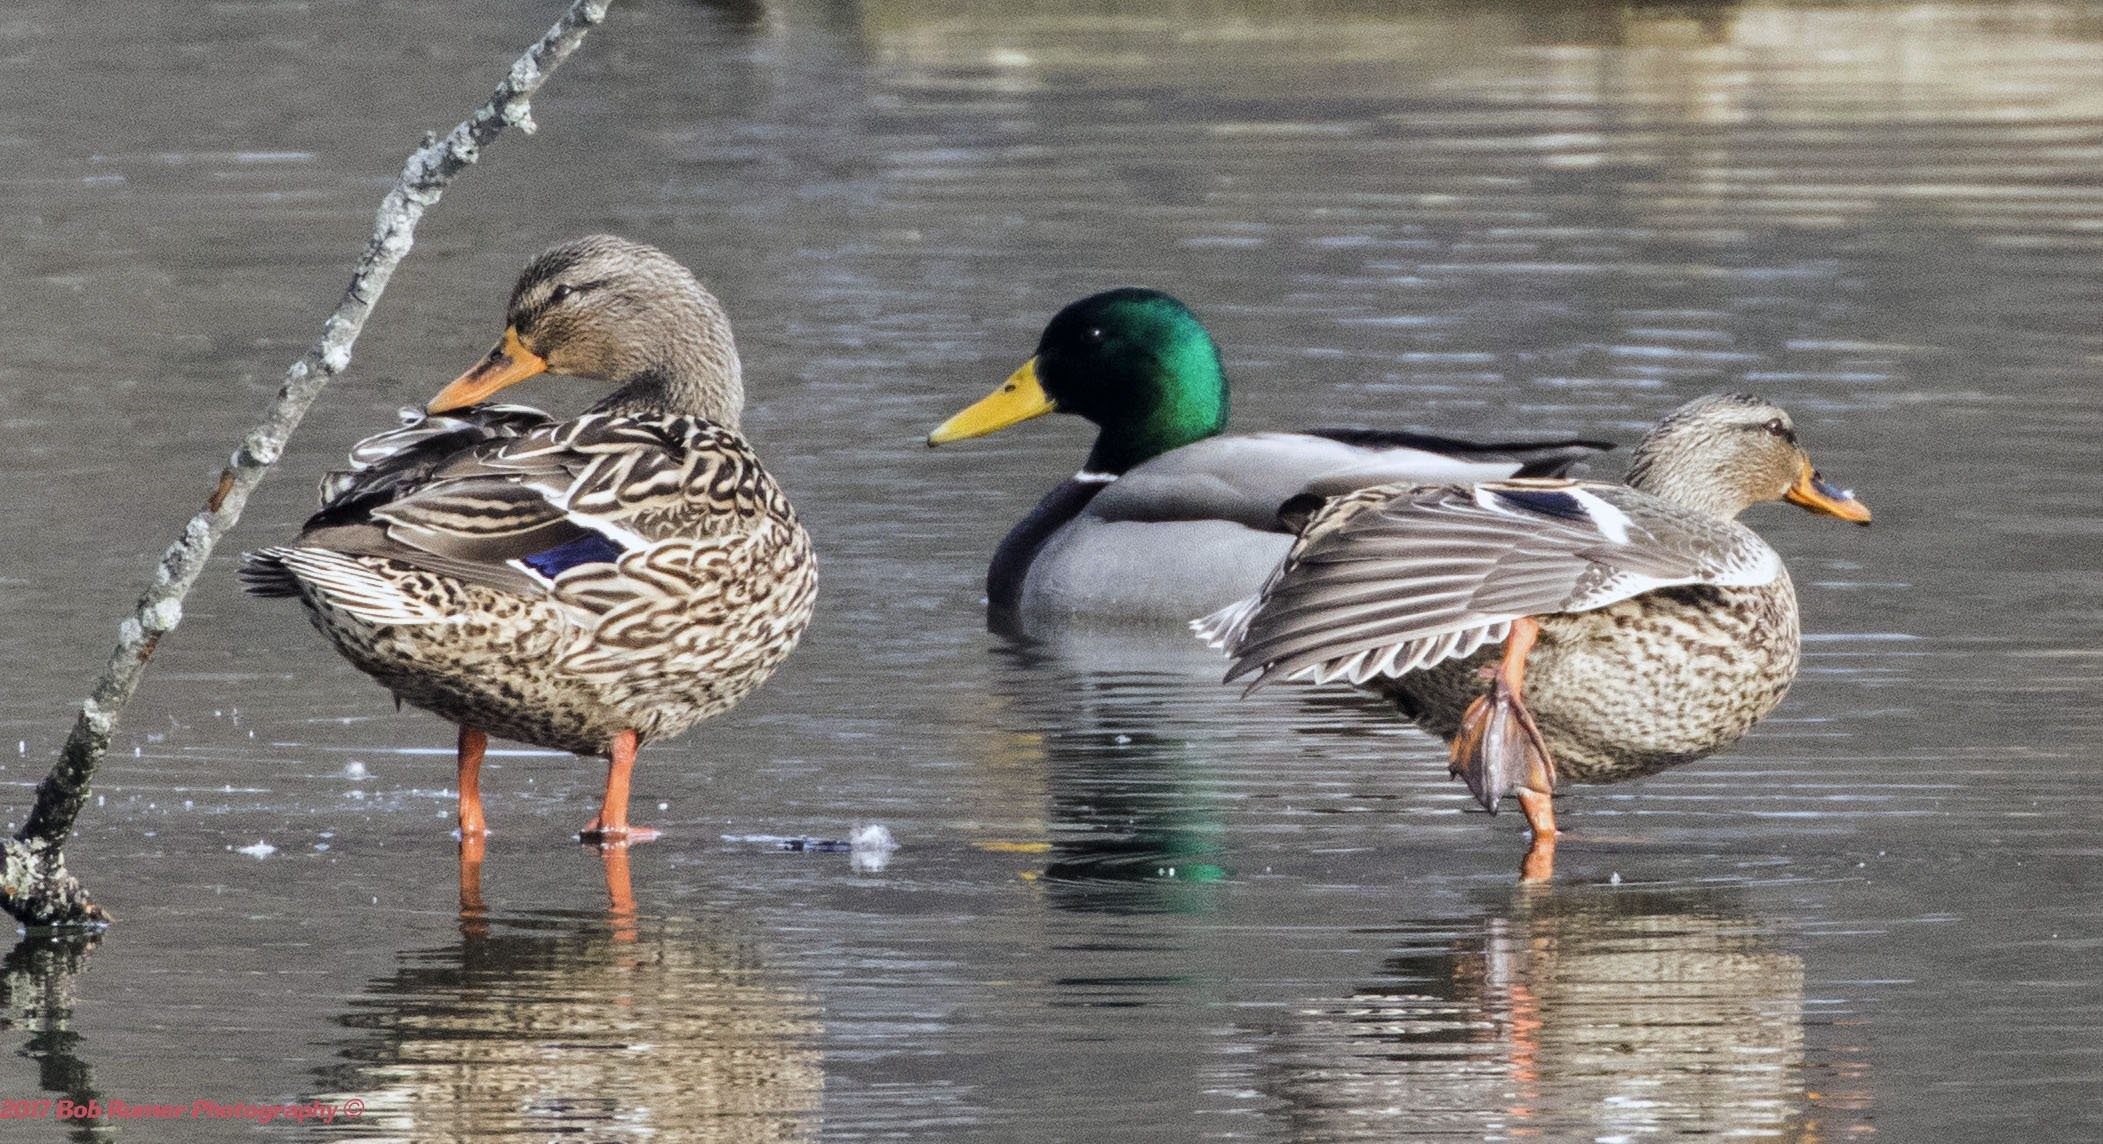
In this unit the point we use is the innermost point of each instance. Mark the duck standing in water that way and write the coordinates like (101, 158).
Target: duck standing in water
(1641, 626)
(588, 584)
(1168, 519)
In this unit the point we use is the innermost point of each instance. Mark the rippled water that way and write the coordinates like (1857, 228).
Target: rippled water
(1127, 904)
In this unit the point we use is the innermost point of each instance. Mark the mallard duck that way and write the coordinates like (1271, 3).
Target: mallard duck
(588, 584)
(1641, 626)
(1168, 519)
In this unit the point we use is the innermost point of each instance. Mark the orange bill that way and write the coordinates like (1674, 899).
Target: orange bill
(511, 362)
(1814, 492)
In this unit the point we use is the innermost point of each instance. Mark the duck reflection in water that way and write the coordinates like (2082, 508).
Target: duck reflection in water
(1567, 1013)
(1133, 806)
(1135, 755)
(608, 1027)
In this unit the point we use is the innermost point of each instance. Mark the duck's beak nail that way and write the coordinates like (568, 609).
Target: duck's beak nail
(1815, 493)
(509, 363)
(1019, 398)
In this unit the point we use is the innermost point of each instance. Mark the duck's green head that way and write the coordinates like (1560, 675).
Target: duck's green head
(1136, 362)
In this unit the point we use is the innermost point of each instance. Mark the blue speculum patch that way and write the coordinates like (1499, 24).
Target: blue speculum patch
(590, 548)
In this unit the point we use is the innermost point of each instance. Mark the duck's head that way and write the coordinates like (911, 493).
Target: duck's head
(1729, 451)
(606, 309)
(1136, 362)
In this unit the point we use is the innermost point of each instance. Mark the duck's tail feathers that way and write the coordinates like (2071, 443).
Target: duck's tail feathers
(263, 574)
(344, 582)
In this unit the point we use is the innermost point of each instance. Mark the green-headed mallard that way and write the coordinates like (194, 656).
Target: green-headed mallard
(1168, 519)
(1642, 626)
(587, 584)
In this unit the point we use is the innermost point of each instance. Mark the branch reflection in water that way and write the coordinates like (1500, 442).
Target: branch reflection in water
(36, 996)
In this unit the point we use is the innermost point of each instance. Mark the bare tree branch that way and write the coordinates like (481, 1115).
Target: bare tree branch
(34, 884)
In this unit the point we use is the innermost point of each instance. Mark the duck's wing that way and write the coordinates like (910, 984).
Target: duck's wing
(385, 469)
(521, 510)
(1245, 477)
(387, 464)
(1390, 580)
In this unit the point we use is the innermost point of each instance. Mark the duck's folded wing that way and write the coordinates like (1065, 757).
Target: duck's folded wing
(385, 465)
(1392, 580)
(1245, 477)
(626, 472)
(518, 510)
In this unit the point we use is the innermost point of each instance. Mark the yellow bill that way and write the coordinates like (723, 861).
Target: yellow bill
(508, 364)
(1019, 398)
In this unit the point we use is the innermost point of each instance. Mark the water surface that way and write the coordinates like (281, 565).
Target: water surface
(1128, 905)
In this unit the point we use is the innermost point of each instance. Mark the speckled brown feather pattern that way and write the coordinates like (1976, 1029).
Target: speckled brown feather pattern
(674, 632)
(1632, 688)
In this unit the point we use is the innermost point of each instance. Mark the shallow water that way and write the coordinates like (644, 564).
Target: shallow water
(1127, 904)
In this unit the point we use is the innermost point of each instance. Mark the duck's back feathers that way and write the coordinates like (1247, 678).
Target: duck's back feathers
(1533, 458)
(508, 498)
(1199, 526)
(1245, 477)
(1394, 579)
(387, 462)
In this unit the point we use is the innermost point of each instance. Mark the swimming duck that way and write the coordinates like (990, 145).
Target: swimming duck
(1168, 519)
(1641, 626)
(589, 584)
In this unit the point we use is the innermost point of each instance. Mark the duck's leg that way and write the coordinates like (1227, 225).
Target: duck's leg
(472, 744)
(610, 826)
(1539, 863)
(1499, 749)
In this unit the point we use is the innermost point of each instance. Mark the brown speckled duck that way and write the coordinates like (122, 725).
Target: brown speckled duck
(1641, 625)
(588, 584)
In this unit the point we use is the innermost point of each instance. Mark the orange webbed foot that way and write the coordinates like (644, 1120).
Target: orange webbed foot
(1499, 748)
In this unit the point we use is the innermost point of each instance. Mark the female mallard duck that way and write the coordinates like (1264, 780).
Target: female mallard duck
(1642, 625)
(589, 584)
(1168, 519)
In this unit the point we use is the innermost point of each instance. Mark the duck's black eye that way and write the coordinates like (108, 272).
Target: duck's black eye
(1095, 334)
(561, 292)
(1780, 428)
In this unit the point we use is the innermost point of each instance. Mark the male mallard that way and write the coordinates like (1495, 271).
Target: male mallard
(1642, 625)
(1168, 519)
(589, 584)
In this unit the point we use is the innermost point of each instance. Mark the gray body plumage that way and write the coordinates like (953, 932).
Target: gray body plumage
(1197, 528)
